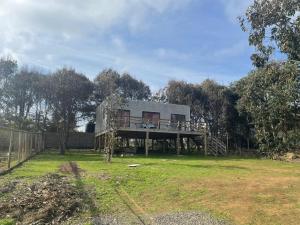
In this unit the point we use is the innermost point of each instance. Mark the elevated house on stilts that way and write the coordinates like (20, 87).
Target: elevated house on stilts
(145, 127)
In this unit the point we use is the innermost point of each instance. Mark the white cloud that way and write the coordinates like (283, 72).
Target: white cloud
(27, 25)
(77, 17)
(170, 54)
(82, 34)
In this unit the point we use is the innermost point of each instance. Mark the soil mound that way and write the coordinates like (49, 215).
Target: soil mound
(70, 168)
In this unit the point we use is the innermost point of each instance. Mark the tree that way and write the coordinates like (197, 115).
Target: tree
(113, 104)
(133, 89)
(110, 82)
(8, 68)
(160, 96)
(106, 83)
(21, 96)
(273, 24)
(210, 103)
(70, 92)
(271, 95)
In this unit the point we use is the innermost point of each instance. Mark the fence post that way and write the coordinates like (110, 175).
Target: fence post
(43, 141)
(20, 146)
(9, 149)
(24, 147)
(31, 143)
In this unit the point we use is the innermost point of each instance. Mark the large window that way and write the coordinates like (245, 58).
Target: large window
(151, 119)
(124, 118)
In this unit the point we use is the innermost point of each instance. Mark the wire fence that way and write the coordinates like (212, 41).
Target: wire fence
(16, 146)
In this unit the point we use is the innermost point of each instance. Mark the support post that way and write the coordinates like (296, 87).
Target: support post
(99, 143)
(136, 144)
(113, 143)
(178, 144)
(95, 143)
(9, 149)
(205, 143)
(227, 142)
(188, 145)
(147, 144)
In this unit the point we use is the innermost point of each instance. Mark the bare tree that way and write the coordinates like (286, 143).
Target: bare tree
(113, 104)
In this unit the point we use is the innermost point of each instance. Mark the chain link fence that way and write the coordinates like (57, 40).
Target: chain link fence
(16, 146)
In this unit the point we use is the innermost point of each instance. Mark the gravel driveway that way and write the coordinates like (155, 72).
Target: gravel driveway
(178, 218)
(188, 218)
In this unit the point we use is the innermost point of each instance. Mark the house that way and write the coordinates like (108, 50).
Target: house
(143, 126)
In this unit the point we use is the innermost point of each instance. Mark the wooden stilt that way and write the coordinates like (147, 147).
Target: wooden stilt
(152, 144)
(205, 144)
(188, 145)
(113, 140)
(100, 143)
(147, 143)
(178, 144)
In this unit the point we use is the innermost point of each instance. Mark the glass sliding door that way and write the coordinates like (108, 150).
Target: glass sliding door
(151, 120)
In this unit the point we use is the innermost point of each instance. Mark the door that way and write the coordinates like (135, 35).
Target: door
(151, 120)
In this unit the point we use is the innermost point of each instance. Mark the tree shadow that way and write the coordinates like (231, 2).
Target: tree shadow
(87, 199)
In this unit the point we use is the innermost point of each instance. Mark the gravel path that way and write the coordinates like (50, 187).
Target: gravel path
(188, 218)
(179, 218)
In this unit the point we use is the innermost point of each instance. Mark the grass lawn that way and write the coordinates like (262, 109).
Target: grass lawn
(244, 191)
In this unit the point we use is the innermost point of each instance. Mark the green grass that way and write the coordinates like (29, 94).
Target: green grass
(6, 222)
(245, 191)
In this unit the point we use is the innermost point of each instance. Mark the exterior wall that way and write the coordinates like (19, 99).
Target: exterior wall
(136, 111)
(100, 118)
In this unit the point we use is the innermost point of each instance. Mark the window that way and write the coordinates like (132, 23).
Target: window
(124, 118)
(175, 118)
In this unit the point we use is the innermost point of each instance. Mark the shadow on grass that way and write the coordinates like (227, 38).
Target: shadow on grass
(87, 199)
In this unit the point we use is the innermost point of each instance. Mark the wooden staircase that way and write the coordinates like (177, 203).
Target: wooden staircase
(215, 146)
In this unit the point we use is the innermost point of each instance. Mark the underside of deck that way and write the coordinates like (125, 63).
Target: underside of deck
(155, 140)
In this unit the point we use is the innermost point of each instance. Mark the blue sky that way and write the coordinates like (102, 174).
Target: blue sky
(153, 40)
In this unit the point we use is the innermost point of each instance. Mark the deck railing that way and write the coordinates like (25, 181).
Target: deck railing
(161, 124)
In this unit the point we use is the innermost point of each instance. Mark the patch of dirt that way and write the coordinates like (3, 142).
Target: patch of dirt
(104, 176)
(70, 168)
(50, 200)
(288, 157)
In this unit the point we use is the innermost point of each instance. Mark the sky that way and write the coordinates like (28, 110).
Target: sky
(153, 40)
